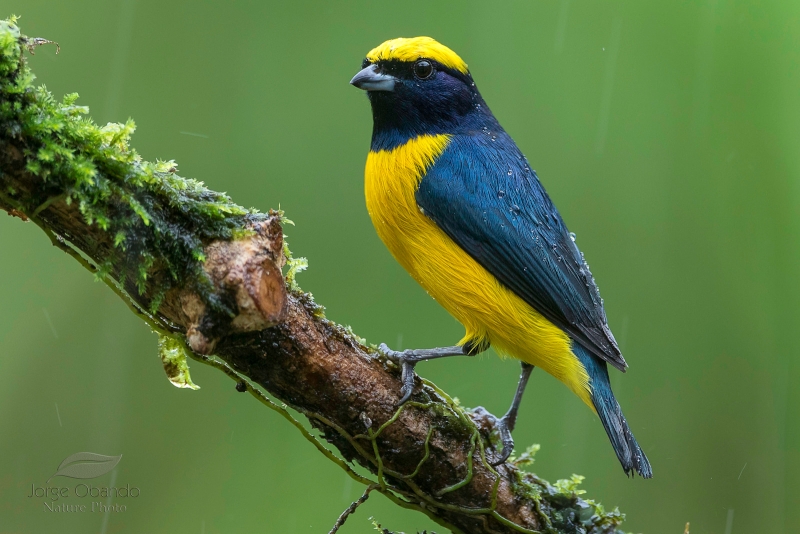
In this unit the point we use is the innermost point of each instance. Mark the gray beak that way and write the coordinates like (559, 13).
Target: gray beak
(369, 79)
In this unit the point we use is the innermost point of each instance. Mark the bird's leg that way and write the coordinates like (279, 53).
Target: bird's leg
(409, 358)
(506, 424)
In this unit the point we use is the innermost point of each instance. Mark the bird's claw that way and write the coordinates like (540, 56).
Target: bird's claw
(407, 377)
(508, 442)
(407, 368)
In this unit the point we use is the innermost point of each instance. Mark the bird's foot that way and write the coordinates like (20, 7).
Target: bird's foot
(503, 428)
(407, 362)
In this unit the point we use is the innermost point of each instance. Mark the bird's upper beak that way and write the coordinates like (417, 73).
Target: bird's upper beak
(370, 79)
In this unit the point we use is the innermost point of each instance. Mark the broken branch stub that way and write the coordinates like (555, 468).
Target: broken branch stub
(246, 271)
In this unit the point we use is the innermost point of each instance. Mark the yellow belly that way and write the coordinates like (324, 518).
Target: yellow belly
(487, 309)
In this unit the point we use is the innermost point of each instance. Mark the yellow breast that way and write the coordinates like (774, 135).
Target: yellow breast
(488, 310)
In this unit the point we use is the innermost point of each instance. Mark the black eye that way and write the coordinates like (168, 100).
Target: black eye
(365, 63)
(423, 69)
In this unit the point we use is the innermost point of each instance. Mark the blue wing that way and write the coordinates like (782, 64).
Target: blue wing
(484, 196)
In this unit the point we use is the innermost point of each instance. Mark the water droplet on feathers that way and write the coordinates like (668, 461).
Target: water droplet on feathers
(515, 209)
(501, 194)
(572, 236)
(510, 172)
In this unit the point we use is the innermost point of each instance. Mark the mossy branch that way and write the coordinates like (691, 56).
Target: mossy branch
(206, 275)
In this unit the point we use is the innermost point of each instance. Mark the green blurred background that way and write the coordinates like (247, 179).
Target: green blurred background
(667, 134)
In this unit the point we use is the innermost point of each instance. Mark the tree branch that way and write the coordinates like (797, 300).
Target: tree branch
(207, 276)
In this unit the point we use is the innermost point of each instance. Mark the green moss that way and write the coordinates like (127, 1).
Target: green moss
(173, 353)
(569, 486)
(157, 221)
(526, 458)
(294, 266)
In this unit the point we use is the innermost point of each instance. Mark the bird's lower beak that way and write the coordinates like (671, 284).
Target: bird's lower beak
(369, 79)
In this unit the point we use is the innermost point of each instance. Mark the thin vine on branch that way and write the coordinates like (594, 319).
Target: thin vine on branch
(216, 282)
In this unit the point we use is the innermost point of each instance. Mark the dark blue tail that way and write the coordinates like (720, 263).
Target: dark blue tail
(628, 451)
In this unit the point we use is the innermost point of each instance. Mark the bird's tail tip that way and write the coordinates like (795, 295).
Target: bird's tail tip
(636, 462)
(630, 454)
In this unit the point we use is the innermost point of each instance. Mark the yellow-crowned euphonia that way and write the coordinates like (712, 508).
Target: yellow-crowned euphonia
(460, 208)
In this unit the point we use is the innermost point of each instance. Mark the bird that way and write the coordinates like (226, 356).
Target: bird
(460, 208)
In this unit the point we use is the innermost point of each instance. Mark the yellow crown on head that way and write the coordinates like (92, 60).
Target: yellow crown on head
(414, 48)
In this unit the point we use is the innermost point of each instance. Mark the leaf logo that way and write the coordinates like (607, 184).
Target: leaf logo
(86, 465)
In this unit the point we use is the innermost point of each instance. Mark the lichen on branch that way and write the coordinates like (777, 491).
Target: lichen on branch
(207, 275)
